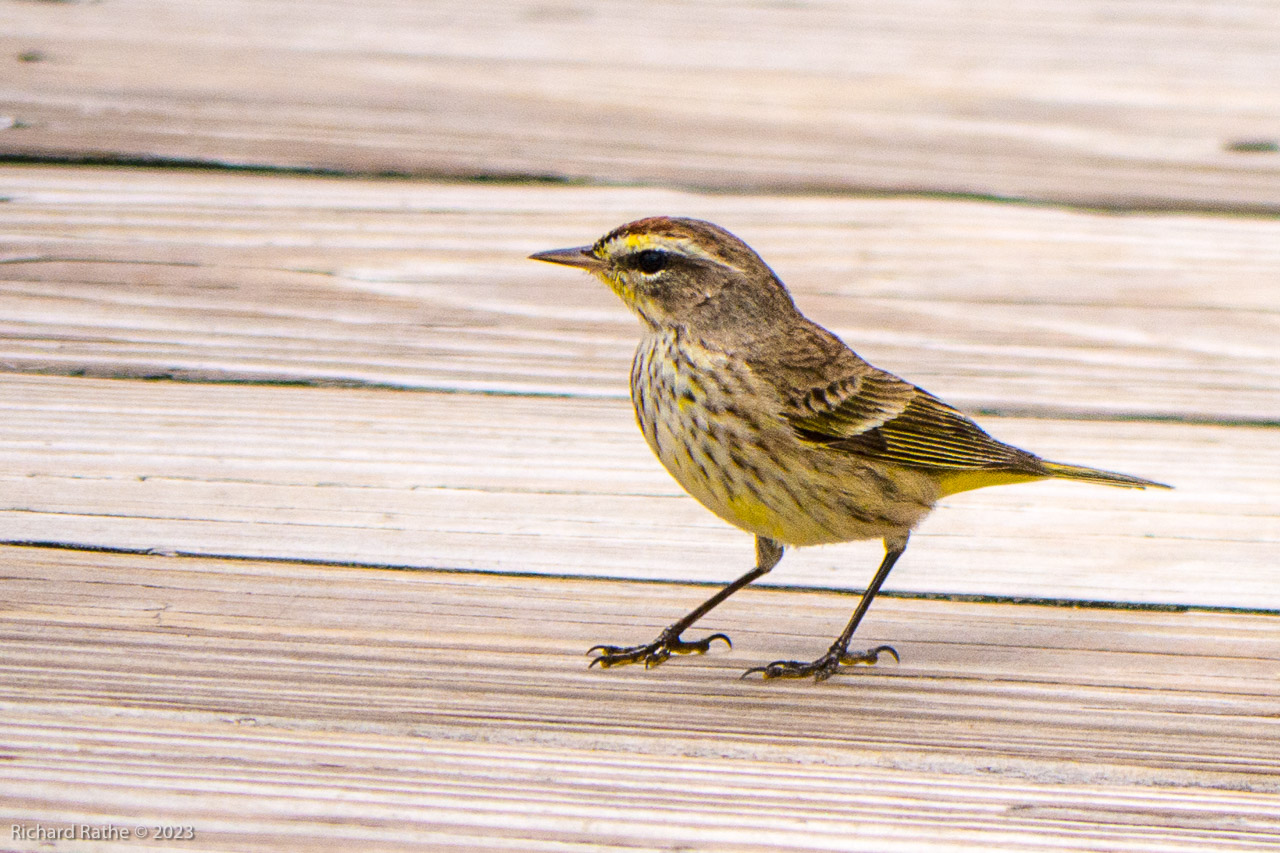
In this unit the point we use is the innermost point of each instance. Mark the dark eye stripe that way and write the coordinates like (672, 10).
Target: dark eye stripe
(650, 261)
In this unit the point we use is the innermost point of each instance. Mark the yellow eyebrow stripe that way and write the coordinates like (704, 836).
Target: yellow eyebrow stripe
(639, 242)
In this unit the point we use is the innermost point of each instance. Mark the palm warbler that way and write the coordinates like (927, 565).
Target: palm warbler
(776, 426)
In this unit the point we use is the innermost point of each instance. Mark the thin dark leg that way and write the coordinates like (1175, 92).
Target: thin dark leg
(838, 655)
(768, 553)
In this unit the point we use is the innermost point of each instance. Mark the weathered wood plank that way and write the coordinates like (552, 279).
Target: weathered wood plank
(567, 486)
(128, 273)
(277, 706)
(1150, 103)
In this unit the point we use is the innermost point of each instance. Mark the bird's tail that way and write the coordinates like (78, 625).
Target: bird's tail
(1093, 475)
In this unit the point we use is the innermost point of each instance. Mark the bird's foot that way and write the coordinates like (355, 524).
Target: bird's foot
(822, 668)
(655, 653)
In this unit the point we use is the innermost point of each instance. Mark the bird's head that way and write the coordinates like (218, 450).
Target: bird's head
(680, 272)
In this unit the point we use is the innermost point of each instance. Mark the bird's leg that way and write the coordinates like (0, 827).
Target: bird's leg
(768, 553)
(839, 655)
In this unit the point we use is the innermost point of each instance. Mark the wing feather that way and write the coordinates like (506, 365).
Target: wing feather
(876, 414)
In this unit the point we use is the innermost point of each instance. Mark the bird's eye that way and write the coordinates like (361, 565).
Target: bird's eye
(651, 261)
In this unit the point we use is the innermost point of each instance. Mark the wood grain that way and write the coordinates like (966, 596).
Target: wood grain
(325, 708)
(1168, 104)
(565, 486)
(218, 631)
(426, 285)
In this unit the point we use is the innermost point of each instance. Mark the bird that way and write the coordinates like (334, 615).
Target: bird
(776, 426)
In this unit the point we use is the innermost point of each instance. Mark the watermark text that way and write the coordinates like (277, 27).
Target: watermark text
(99, 832)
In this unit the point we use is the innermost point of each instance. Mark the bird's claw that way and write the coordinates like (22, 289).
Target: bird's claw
(655, 653)
(824, 667)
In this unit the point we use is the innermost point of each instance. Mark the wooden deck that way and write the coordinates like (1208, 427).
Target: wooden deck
(315, 491)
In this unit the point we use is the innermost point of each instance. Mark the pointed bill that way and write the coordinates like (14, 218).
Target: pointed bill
(580, 256)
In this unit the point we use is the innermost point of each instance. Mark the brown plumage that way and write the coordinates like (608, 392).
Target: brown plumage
(775, 425)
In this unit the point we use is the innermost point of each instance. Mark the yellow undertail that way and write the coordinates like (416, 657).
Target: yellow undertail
(953, 482)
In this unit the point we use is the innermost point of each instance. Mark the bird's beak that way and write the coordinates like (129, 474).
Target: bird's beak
(579, 256)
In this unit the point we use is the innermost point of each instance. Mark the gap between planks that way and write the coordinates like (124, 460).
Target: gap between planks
(278, 706)
(1064, 99)
(565, 486)
(216, 276)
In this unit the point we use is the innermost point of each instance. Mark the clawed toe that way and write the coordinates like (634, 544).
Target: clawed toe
(655, 653)
(698, 647)
(824, 667)
(620, 655)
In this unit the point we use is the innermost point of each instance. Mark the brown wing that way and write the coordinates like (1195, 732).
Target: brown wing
(851, 405)
(881, 416)
(833, 397)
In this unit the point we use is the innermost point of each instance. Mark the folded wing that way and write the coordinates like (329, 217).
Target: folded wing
(876, 414)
